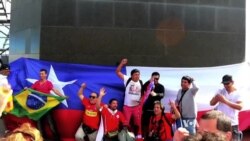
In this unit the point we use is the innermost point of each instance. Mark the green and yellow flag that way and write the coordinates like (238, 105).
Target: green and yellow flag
(34, 104)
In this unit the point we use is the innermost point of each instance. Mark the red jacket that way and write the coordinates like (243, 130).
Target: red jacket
(112, 120)
(159, 125)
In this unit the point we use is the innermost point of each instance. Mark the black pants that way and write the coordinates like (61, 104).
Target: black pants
(145, 121)
(106, 138)
(87, 130)
(47, 118)
(237, 134)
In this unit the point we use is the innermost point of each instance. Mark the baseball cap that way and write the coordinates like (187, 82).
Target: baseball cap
(227, 79)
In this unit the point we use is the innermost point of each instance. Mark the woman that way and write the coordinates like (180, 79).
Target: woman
(160, 126)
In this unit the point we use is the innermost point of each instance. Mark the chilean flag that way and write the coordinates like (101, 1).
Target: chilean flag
(67, 78)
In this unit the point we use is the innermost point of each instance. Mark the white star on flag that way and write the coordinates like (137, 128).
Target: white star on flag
(56, 83)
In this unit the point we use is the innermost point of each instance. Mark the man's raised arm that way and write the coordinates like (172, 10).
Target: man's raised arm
(80, 91)
(119, 68)
(99, 99)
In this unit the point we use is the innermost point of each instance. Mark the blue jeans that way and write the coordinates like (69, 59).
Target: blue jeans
(237, 134)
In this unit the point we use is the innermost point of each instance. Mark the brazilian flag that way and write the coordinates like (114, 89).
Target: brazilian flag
(34, 104)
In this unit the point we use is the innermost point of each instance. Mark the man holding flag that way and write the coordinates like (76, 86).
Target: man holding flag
(45, 86)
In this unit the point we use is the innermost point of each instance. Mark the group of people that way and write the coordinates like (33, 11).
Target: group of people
(42, 85)
(144, 114)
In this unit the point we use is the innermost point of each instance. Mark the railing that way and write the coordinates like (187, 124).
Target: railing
(5, 10)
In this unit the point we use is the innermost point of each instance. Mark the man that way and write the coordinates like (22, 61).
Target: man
(186, 103)
(229, 102)
(4, 72)
(5, 90)
(132, 101)
(206, 136)
(112, 118)
(91, 116)
(212, 121)
(11, 122)
(45, 86)
(5, 99)
(216, 122)
(156, 94)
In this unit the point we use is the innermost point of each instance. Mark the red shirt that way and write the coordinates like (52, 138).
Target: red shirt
(165, 129)
(44, 87)
(111, 120)
(91, 115)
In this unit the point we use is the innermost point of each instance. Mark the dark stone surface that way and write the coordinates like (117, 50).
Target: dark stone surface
(231, 20)
(103, 14)
(238, 3)
(58, 12)
(131, 15)
(206, 19)
(140, 46)
(157, 14)
(192, 18)
(215, 2)
(179, 33)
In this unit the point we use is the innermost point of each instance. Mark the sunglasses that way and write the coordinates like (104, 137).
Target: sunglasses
(157, 78)
(226, 83)
(92, 97)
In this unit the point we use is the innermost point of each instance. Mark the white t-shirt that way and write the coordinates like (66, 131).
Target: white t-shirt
(230, 112)
(132, 92)
(3, 80)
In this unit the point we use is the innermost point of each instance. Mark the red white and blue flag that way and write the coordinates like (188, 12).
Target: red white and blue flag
(67, 78)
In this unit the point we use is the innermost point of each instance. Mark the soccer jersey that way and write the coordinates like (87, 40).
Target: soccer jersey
(132, 92)
(44, 87)
(91, 116)
(111, 119)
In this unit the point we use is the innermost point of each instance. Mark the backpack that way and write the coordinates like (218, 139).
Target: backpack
(131, 79)
(140, 83)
